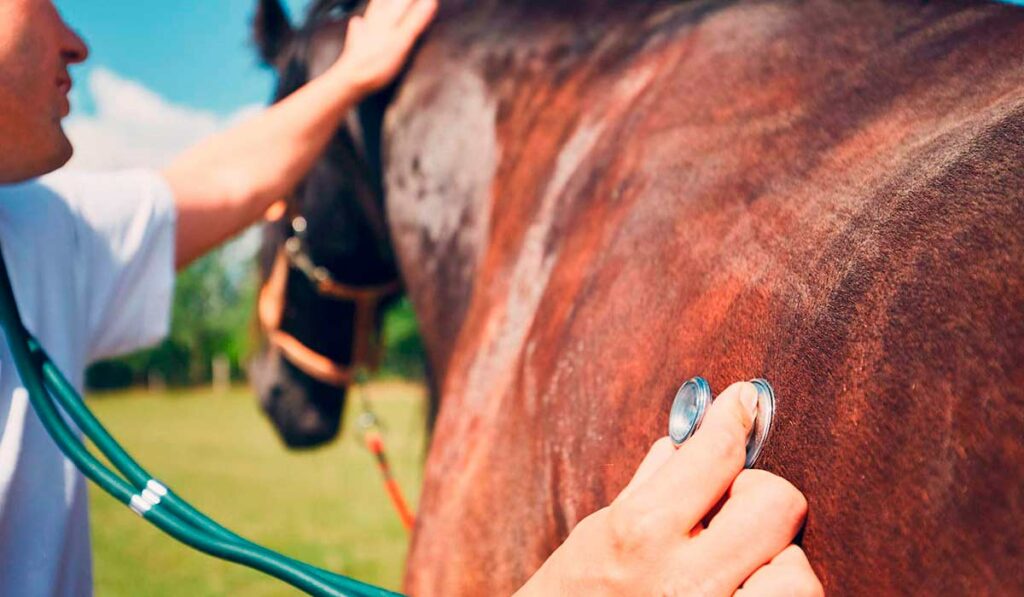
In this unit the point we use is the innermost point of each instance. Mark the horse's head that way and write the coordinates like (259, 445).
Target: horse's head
(326, 260)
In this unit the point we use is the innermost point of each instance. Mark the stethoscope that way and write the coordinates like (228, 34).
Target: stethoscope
(694, 398)
(46, 387)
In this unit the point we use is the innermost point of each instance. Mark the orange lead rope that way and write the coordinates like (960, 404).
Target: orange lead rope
(375, 444)
(374, 441)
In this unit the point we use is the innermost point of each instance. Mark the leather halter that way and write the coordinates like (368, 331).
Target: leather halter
(292, 255)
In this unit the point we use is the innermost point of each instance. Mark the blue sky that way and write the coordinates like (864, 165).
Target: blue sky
(193, 53)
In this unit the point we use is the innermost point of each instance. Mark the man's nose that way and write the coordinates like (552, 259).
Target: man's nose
(73, 47)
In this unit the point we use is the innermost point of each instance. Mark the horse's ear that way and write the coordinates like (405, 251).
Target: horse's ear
(271, 30)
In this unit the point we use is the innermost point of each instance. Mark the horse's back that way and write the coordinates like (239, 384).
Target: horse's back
(591, 208)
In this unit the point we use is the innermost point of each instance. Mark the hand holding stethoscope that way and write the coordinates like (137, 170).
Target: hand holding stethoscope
(692, 520)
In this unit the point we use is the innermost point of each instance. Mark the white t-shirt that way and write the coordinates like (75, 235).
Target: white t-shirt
(91, 258)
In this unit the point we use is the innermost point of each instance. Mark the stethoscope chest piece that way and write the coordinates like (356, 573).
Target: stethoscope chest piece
(691, 402)
(693, 399)
(762, 421)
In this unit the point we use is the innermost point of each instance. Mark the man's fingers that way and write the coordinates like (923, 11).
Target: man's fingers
(788, 574)
(355, 29)
(696, 477)
(792, 555)
(419, 16)
(661, 451)
(374, 8)
(384, 11)
(387, 11)
(759, 519)
(409, 17)
(399, 9)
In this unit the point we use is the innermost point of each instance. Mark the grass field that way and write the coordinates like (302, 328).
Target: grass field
(327, 507)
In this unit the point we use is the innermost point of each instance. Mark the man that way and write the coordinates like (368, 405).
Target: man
(92, 259)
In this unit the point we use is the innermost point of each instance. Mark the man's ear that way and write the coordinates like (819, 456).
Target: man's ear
(271, 30)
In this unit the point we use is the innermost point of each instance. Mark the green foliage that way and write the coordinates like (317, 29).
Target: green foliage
(404, 355)
(211, 317)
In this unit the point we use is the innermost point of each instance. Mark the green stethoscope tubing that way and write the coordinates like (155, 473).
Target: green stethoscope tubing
(44, 382)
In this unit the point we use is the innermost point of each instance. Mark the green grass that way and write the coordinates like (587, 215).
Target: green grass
(327, 507)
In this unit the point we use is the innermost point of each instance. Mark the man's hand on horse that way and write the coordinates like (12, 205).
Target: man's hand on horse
(691, 521)
(227, 181)
(378, 42)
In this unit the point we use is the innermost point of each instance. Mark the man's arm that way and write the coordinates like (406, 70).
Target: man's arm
(225, 183)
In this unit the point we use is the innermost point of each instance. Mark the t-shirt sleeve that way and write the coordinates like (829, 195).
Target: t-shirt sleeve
(124, 256)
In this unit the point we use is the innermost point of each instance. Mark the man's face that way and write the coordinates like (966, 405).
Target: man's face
(36, 49)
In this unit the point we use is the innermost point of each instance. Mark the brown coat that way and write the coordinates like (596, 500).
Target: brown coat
(594, 201)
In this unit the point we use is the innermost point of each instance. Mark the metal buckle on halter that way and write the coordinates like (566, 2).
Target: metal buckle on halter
(295, 248)
(368, 419)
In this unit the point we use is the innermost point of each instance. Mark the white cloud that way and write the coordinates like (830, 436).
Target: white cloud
(134, 126)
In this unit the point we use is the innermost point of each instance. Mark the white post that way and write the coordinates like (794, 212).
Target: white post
(155, 382)
(221, 367)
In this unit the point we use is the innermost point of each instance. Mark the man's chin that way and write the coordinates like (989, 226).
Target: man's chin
(62, 153)
(58, 153)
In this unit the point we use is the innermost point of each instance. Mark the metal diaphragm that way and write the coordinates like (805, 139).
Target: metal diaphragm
(762, 421)
(691, 402)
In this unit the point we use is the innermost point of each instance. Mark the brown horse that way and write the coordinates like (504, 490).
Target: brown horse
(592, 201)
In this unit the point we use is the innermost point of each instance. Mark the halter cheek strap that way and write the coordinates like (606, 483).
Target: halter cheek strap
(365, 344)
